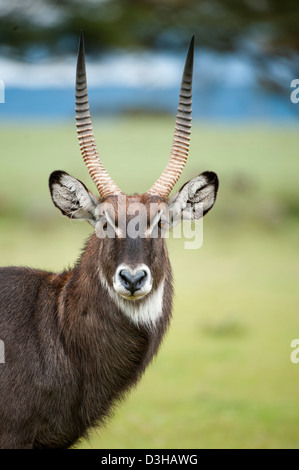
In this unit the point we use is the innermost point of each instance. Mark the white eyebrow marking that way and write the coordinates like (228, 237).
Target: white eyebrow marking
(111, 221)
(154, 222)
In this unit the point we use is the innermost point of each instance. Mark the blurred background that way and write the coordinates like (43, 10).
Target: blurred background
(223, 377)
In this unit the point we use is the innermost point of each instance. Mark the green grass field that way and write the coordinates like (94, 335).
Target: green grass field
(223, 377)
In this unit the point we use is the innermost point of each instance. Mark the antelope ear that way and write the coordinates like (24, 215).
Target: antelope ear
(195, 198)
(72, 197)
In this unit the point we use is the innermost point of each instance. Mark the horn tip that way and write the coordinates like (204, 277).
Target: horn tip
(191, 45)
(190, 57)
(81, 39)
(81, 54)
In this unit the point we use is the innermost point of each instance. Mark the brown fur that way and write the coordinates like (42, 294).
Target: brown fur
(70, 352)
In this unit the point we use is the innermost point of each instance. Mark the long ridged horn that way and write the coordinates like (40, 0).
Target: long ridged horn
(180, 145)
(89, 152)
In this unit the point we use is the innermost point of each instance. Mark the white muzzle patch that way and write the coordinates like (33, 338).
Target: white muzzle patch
(146, 312)
(132, 283)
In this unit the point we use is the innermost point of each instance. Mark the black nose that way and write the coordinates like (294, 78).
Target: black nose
(132, 282)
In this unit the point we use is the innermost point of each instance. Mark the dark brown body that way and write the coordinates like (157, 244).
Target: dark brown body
(76, 342)
(70, 353)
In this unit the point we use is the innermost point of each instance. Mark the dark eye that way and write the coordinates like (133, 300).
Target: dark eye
(163, 224)
(105, 225)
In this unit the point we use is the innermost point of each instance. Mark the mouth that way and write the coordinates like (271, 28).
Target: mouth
(132, 297)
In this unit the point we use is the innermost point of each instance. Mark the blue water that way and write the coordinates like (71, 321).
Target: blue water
(220, 104)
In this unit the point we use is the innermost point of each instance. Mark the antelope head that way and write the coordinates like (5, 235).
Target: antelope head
(130, 250)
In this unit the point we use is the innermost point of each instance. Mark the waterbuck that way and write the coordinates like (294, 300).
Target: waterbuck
(76, 341)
